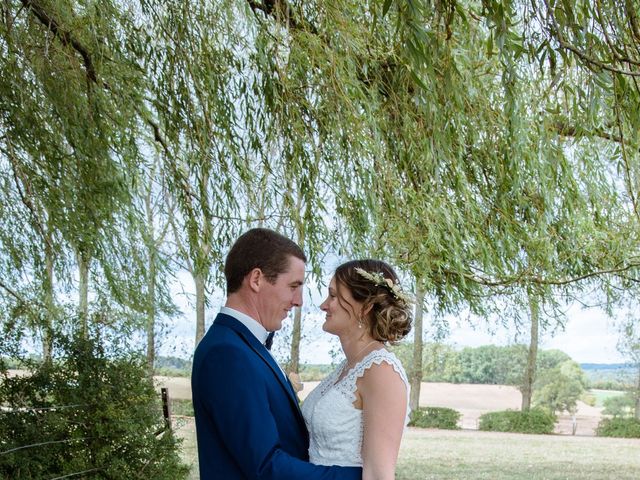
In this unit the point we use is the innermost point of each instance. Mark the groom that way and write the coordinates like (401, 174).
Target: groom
(248, 422)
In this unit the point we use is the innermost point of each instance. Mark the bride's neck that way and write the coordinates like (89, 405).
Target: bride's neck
(355, 349)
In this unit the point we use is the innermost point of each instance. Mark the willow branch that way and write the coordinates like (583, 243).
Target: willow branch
(524, 278)
(625, 159)
(20, 178)
(13, 293)
(280, 10)
(607, 37)
(68, 39)
(633, 19)
(65, 37)
(571, 131)
(586, 58)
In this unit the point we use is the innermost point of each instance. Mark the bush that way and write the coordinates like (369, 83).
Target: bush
(619, 427)
(88, 412)
(589, 399)
(435, 417)
(534, 421)
(619, 406)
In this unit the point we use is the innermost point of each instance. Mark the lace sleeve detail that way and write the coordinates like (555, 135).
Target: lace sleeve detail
(348, 384)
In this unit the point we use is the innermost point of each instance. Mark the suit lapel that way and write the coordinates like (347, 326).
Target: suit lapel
(264, 354)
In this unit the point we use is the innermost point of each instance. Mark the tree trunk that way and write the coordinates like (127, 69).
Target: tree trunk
(151, 282)
(49, 302)
(151, 312)
(83, 290)
(637, 410)
(530, 372)
(198, 278)
(296, 336)
(416, 368)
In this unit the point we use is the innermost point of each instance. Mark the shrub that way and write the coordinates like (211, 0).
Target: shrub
(619, 405)
(589, 399)
(89, 412)
(619, 427)
(435, 417)
(534, 421)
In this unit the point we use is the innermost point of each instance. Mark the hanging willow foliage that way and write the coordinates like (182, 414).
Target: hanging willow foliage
(483, 146)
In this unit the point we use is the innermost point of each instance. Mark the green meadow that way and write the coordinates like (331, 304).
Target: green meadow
(469, 454)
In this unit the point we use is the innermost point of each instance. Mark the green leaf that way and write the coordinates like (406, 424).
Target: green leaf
(386, 6)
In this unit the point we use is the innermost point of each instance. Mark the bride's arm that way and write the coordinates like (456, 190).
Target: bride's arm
(384, 404)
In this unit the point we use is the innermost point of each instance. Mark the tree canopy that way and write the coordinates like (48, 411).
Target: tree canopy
(485, 147)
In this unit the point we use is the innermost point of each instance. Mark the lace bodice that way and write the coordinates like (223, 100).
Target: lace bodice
(334, 424)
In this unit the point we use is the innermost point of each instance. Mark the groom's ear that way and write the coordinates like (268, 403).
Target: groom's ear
(254, 279)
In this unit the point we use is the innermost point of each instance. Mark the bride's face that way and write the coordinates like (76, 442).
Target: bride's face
(340, 309)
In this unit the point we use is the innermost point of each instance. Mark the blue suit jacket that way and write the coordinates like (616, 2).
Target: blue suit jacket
(248, 422)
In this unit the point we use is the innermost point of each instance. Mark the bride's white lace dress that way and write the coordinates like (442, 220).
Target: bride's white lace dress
(334, 424)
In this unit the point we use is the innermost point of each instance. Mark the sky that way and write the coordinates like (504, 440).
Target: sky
(589, 336)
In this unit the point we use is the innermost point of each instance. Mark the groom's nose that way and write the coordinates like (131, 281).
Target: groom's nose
(297, 297)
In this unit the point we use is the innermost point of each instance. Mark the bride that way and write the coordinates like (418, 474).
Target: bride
(357, 414)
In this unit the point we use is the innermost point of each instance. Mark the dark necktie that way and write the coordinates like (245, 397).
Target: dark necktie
(269, 341)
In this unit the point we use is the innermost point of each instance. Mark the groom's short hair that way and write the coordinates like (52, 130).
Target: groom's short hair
(259, 248)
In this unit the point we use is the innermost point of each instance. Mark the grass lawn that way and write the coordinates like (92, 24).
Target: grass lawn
(465, 454)
(185, 428)
(469, 454)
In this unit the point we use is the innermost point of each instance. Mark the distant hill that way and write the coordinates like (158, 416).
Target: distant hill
(605, 366)
(610, 376)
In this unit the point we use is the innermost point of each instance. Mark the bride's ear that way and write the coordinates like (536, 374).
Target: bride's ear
(365, 310)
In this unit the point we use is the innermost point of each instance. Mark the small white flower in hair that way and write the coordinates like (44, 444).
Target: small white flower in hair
(379, 279)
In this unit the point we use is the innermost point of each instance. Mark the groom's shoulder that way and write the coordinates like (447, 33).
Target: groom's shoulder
(225, 337)
(223, 328)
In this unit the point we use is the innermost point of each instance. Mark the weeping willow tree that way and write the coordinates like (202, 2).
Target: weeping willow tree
(475, 144)
(585, 55)
(480, 191)
(67, 135)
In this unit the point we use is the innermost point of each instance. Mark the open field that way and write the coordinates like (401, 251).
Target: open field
(441, 454)
(470, 400)
(468, 454)
(602, 395)
(471, 454)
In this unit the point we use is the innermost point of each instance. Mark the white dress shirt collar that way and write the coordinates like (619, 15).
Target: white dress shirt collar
(254, 327)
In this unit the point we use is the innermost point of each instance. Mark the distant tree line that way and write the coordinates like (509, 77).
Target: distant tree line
(557, 386)
(488, 364)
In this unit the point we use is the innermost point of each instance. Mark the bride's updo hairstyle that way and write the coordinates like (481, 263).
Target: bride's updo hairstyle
(386, 309)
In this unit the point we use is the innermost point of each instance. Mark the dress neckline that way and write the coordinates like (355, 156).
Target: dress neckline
(340, 378)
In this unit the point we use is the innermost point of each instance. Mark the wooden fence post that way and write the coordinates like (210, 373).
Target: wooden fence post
(166, 407)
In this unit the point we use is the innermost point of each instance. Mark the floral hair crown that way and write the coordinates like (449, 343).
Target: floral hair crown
(377, 278)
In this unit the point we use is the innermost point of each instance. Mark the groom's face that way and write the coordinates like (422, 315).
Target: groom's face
(278, 298)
